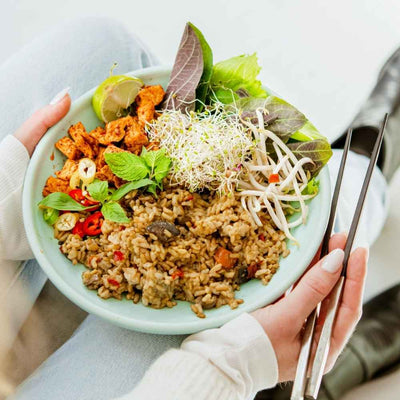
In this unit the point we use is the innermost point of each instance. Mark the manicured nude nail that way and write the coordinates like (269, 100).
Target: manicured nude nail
(366, 247)
(333, 261)
(367, 251)
(59, 96)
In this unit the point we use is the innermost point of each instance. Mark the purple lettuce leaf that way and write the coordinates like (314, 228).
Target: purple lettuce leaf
(186, 73)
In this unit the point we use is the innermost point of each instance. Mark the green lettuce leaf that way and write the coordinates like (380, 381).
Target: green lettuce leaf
(307, 132)
(312, 187)
(291, 126)
(310, 143)
(318, 150)
(279, 116)
(235, 78)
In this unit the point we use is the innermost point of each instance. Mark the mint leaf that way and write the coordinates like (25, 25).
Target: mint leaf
(128, 187)
(144, 151)
(61, 201)
(127, 166)
(114, 212)
(162, 169)
(152, 189)
(152, 158)
(98, 190)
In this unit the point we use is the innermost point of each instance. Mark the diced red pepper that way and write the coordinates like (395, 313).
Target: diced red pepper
(92, 224)
(113, 282)
(79, 229)
(273, 178)
(251, 270)
(261, 237)
(189, 198)
(177, 274)
(78, 196)
(118, 255)
(223, 256)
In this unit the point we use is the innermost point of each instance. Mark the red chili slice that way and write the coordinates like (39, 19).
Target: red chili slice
(261, 237)
(177, 274)
(79, 229)
(273, 178)
(78, 196)
(118, 255)
(189, 198)
(113, 282)
(92, 224)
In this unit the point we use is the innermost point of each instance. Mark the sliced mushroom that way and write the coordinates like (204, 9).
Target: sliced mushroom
(242, 274)
(163, 230)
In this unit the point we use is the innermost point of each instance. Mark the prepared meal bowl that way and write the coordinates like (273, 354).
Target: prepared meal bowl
(165, 196)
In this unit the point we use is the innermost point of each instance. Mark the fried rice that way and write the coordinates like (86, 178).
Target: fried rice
(128, 259)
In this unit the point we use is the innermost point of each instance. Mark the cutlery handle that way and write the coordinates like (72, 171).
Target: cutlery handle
(299, 384)
(322, 352)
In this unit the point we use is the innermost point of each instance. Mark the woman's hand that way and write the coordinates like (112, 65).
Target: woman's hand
(284, 320)
(32, 130)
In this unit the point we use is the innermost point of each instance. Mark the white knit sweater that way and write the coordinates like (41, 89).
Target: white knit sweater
(232, 362)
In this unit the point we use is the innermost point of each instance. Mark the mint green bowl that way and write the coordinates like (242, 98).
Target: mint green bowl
(179, 319)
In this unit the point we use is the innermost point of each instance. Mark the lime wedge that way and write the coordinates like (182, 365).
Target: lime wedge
(112, 97)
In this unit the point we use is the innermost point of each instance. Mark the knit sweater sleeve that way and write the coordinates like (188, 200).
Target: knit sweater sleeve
(14, 160)
(232, 362)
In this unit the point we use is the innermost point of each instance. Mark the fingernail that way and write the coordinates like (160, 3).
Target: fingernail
(59, 96)
(367, 251)
(333, 261)
(366, 247)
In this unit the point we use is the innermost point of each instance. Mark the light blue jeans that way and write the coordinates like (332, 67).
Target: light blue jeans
(102, 361)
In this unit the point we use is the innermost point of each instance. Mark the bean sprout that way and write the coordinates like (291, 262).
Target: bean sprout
(259, 194)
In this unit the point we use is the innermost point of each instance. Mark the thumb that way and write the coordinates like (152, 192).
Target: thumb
(32, 130)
